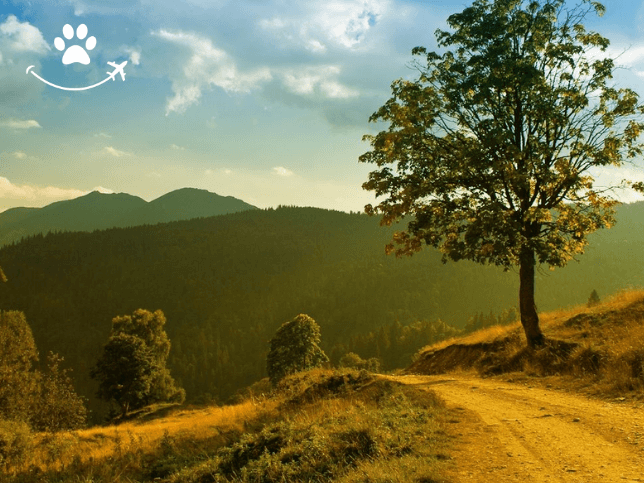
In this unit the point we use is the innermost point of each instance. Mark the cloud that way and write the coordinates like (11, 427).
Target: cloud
(23, 37)
(18, 124)
(206, 66)
(281, 171)
(35, 194)
(115, 152)
(103, 190)
(178, 148)
(316, 24)
(321, 79)
(19, 155)
(135, 55)
(102, 135)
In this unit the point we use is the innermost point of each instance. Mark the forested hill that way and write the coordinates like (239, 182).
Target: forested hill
(226, 283)
(96, 211)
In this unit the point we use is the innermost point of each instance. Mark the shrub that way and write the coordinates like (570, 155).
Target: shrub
(15, 442)
(354, 361)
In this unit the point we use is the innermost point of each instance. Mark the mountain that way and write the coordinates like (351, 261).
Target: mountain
(96, 211)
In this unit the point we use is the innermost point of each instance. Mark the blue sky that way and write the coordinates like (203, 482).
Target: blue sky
(264, 100)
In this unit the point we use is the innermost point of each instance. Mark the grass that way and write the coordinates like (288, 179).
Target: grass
(318, 426)
(598, 350)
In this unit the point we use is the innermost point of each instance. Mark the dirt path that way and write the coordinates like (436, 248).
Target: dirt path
(514, 432)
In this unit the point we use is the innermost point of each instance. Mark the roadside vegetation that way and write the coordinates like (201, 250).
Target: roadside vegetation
(596, 348)
(320, 425)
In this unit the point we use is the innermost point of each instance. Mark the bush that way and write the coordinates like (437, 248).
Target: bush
(15, 442)
(354, 361)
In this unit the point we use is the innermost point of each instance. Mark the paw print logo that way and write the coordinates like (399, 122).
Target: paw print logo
(75, 53)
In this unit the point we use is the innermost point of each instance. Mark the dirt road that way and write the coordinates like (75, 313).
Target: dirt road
(514, 432)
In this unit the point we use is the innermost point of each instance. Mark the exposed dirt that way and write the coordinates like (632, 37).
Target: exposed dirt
(518, 432)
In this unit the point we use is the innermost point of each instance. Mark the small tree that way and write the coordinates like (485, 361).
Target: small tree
(295, 348)
(150, 327)
(132, 370)
(494, 144)
(124, 372)
(593, 299)
(58, 407)
(18, 380)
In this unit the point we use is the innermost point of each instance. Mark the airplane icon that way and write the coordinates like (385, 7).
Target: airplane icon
(118, 69)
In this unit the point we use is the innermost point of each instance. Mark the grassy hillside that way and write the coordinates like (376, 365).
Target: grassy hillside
(319, 426)
(598, 350)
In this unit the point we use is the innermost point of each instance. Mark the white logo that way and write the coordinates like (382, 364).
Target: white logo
(77, 54)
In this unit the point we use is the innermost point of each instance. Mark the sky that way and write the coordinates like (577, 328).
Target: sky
(263, 100)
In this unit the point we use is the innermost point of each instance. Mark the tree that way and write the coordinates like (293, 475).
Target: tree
(593, 299)
(295, 348)
(125, 372)
(149, 326)
(58, 405)
(132, 370)
(18, 382)
(492, 145)
(3, 277)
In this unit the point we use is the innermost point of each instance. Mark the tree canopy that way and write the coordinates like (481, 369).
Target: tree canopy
(295, 348)
(489, 151)
(18, 382)
(132, 369)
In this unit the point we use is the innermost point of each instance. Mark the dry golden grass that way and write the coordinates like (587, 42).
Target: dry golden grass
(597, 349)
(550, 321)
(323, 425)
(100, 443)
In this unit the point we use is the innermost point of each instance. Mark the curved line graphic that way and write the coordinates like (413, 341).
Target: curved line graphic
(67, 88)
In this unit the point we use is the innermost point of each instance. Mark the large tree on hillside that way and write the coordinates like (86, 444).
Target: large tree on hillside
(490, 150)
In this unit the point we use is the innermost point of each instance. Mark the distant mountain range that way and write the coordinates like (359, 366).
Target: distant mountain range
(96, 211)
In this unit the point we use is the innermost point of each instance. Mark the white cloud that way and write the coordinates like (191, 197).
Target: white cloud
(206, 66)
(281, 171)
(19, 124)
(35, 194)
(135, 55)
(19, 155)
(178, 148)
(343, 23)
(320, 78)
(103, 190)
(115, 152)
(102, 135)
(23, 37)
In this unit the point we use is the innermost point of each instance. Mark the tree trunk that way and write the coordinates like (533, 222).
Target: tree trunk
(527, 307)
(125, 407)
